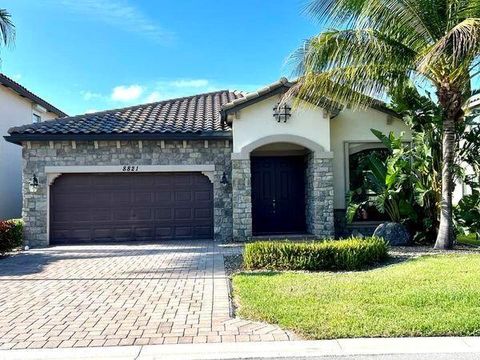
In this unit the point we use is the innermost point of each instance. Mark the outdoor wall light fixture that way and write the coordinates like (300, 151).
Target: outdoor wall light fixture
(33, 185)
(282, 112)
(224, 180)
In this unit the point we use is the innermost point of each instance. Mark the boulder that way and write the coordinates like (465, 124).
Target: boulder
(394, 233)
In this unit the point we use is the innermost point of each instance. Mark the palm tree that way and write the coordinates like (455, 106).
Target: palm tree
(7, 29)
(380, 45)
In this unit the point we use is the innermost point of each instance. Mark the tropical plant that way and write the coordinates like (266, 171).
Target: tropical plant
(7, 29)
(424, 117)
(389, 180)
(378, 46)
(467, 214)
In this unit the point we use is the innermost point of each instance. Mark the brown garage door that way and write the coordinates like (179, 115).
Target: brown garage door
(124, 207)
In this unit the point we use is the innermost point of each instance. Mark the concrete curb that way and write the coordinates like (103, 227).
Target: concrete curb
(285, 349)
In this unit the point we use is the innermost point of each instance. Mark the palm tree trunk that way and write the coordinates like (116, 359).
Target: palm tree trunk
(445, 234)
(451, 102)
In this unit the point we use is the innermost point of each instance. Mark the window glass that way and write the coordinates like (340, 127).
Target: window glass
(37, 118)
(359, 185)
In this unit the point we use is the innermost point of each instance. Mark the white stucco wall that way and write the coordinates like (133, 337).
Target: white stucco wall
(354, 126)
(14, 111)
(257, 121)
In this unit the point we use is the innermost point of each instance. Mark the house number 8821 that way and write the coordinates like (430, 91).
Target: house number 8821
(127, 168)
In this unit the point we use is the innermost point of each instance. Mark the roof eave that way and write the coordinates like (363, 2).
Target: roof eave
(213, 135)
(229, 109)
(23, 92)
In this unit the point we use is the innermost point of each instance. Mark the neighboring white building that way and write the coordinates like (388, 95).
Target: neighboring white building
(18, 106)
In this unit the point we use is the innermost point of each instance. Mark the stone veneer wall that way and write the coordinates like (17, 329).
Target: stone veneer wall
(37, 155)
(319, 196)
(242, 200)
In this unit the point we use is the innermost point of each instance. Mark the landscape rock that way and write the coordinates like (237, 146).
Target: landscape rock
(394, 233)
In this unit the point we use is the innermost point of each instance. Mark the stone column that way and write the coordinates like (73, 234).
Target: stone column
(241, 200)
(319, 195)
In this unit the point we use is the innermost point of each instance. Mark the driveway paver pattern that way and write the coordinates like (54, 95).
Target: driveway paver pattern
(129, 294)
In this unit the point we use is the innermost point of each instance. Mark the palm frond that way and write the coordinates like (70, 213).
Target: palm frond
(352, 67)
(415, 18)
(7, 29)
(461, 42)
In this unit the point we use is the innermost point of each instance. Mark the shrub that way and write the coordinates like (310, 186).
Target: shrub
(11, 235)
(467, 214)
(349, 254)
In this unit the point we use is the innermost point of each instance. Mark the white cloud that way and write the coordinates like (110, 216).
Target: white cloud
(89, 111)
(153, 97)
(89, 95)
(121, 14)
(126, 93)
(189, 83)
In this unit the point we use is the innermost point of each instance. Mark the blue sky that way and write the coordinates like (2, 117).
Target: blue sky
(85, 55)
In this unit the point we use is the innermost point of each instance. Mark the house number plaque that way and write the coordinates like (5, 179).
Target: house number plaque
(130, 168)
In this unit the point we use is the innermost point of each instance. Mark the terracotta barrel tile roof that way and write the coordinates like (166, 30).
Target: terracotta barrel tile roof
(192, 114)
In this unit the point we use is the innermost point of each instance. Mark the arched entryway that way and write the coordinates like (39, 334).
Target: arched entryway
(295, 172)
(278, 180)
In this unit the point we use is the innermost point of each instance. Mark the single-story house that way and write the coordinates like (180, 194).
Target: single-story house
(223, 165)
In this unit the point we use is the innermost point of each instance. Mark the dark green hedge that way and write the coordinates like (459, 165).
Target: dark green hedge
(349, 254)
(11, 235)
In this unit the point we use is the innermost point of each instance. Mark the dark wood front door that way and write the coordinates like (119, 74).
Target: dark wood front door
(278, 195)
(86, 208)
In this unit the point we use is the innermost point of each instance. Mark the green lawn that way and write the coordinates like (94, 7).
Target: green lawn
(431, 295)
(470, 239)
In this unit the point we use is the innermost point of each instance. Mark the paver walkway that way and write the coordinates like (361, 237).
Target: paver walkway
(132, 294)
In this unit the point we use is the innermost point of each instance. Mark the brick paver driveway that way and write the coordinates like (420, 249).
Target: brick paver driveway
(104, 295)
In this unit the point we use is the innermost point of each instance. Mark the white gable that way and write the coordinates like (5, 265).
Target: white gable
(256, 121)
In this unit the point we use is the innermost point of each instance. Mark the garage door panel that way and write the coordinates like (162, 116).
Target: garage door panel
(104, 198)
(124, 234)
(143, 214)
(145, 232)
(120, 198)
(140, 198)
(125, 207)
(61, 233)
(165, 214)
(101, 214)
(144, 181)
(81, 234)
(203, 213)
(185, 195)
(164, 232)
(66, 216)
(163, 182)
(105, 234)
(183, 214)
(202, 195)
(202, 231)
(76, 200)
(164, 196)
(184, 231)
(122, 214)
(183, 180)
